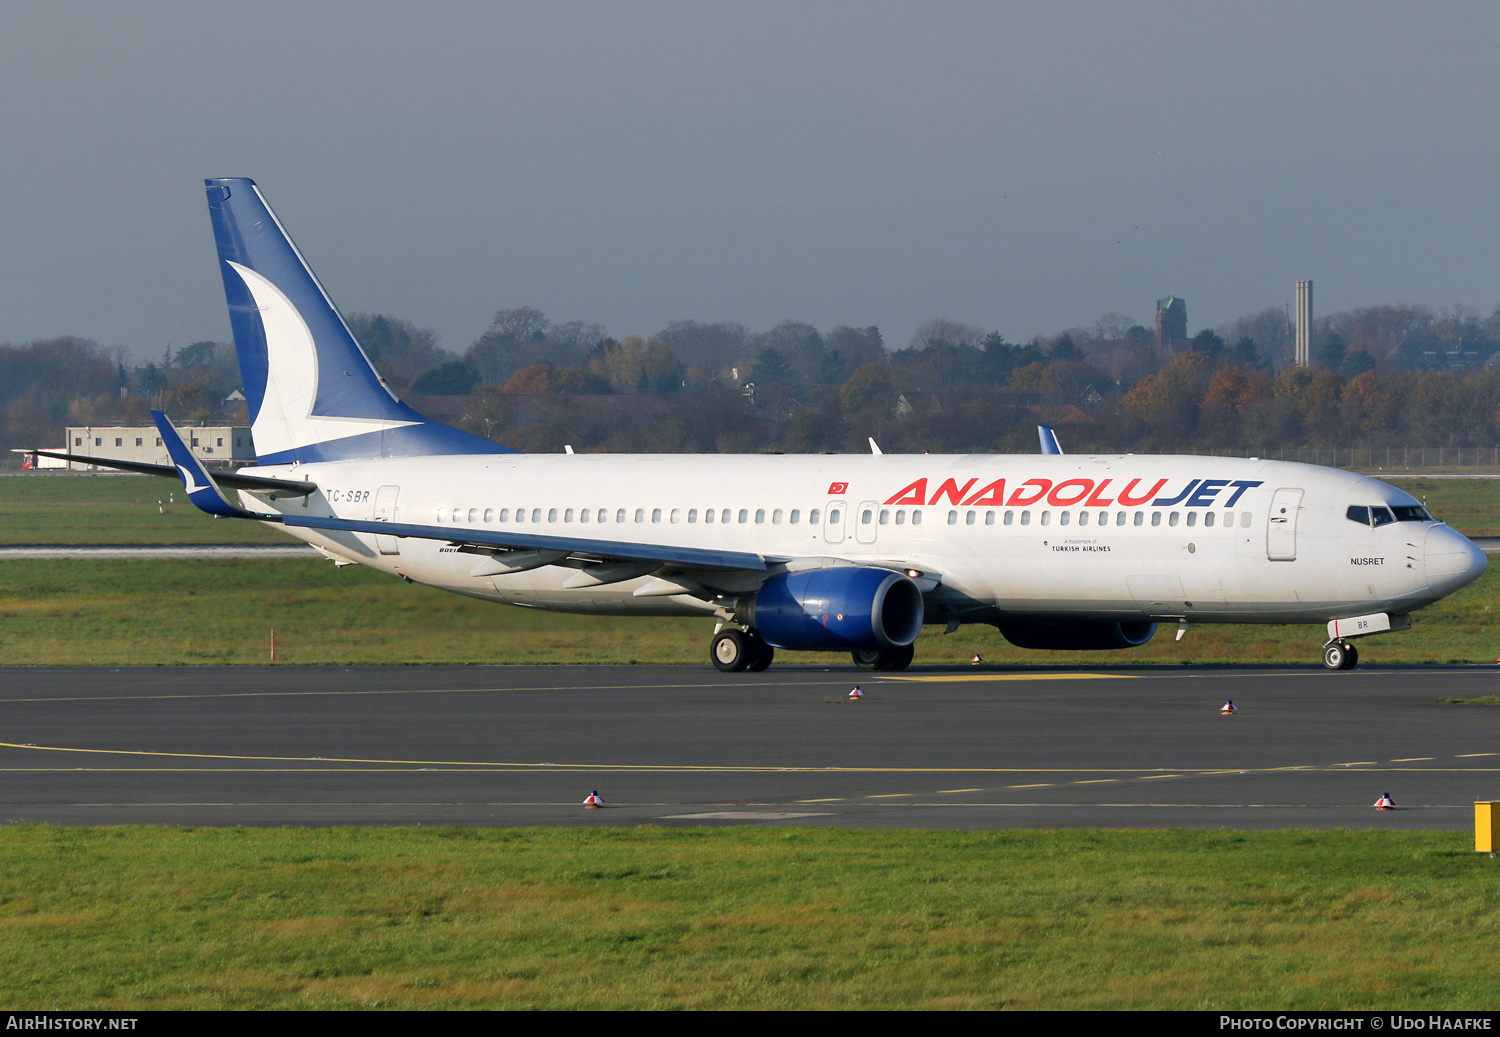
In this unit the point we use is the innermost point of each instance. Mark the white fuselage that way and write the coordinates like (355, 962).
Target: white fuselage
(1207, 539)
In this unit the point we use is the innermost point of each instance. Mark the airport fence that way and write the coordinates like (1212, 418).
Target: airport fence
(1406, 457)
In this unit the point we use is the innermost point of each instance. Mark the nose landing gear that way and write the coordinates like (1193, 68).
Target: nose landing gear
(1340, 655)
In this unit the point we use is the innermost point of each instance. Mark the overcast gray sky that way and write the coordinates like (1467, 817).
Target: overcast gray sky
(1025, 167)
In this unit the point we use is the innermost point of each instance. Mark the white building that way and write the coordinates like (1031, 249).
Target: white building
(213, 444)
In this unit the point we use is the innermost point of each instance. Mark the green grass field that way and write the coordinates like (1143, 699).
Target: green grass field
(154, 918)
(61, 508)
(129, 612)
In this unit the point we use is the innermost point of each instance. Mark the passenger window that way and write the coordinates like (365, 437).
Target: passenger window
(692, 515)
(640, 514)
(1083, 519)
(620, 515)
(551, 514)
(473, 514)
(1228, 520)
(1046, 518)
(812, 516)
(1156, 518)
(489, 515)
(583, 514)
(885, 516)
(724, 517)
(603, 514)
(1104, 518)
(1358, 513)
(1208, 519)
(989, 518)
(520, 514)
(760, 515)
(676, 515)
(776, 517)
(1064, 517)
(655, 514)
(1140, 518)
(796, 515)
(1381, 516)
(1244, 520)
(833, 515)
(708, 514)
(745, 516)
(952, 518)
(1172, 519)
(536, 514)
(916, 518)
(504, 514)
(901, 516)
(1192, 518)
(1009, 517)
(442, 514)
(568, 515)
(1025, 518)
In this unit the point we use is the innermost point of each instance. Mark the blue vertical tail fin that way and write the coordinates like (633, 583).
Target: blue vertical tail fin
(312, 393)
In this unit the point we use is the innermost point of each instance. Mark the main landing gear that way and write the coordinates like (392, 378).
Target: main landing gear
(736, 650)
(1340, 655)
(884, 658)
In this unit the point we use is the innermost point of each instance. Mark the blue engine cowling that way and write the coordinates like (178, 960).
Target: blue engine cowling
(1076, 635)
(849, 607)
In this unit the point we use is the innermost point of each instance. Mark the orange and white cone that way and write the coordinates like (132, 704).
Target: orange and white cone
(593, 802)
(856, 694)
(1385, 802)
(977, 660)
(1228, 709)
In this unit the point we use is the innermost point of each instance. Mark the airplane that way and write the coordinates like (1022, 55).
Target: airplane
(798, 553)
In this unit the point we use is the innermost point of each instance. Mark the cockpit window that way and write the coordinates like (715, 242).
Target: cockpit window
(1381, 515)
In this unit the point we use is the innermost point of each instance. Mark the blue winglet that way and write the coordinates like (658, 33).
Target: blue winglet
(1049, 440)
(201, 489)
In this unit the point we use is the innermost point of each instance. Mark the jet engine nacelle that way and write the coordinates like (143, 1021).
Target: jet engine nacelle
(1076, 635)
(844, 608)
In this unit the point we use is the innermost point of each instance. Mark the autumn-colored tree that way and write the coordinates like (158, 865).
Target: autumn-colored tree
(533, 380)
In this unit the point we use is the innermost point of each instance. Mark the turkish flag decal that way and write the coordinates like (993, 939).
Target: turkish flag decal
(838, 487)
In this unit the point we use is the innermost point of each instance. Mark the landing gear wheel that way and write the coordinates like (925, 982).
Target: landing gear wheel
(1351, 656)
(729, 651)
(866, 658)
(895, 658)
(761, 653)
(1336, 656)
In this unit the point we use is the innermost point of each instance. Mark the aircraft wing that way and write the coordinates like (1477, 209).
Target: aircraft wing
(206, 495)
(234, 480)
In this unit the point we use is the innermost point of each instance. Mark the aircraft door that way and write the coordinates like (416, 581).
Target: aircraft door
(864, 521)
(385, 511)
(833, 522)
(1281, 530)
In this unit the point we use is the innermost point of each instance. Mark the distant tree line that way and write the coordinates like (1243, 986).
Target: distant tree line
(1381, 375)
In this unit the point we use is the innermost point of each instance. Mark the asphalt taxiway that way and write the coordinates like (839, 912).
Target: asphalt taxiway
(930, 748)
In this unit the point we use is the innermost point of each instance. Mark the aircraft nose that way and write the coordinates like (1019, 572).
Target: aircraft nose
(1453, 560)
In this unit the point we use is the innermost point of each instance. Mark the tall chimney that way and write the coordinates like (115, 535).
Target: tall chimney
(1304, 323)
